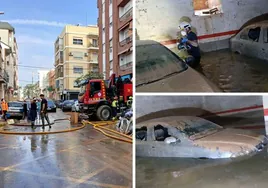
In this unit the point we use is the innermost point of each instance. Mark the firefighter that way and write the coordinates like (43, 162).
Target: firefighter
(192, 41)
(129, 102)
(114, 107)
(4, 106)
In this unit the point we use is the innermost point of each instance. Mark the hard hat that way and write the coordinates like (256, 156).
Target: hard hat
(184, 25)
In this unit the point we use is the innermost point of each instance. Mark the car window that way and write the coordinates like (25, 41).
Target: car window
(254, 34)
(14, 104)
(265, 35)
(154, 62)
(244, 34)
(50, 102)
(198, 127)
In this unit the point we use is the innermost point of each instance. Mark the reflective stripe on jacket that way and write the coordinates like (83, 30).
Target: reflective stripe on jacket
(114, 103)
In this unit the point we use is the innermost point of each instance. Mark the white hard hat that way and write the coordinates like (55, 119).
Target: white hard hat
(184, 25)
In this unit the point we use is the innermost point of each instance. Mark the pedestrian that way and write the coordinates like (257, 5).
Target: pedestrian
(33, 112)
(4, 106)
(38, 109)
(114, 107)
(25, 109)
(192, 41)
(44, 114)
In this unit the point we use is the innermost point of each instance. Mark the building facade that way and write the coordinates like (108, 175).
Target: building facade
(9, 68)
(115, 28)
(214, 21)
(76, 54)
(43, 81)
(51, 84)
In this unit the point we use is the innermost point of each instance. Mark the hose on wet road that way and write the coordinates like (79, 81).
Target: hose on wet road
(101, 127)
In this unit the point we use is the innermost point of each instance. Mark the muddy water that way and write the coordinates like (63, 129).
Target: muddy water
(248, 172)
(235, 73)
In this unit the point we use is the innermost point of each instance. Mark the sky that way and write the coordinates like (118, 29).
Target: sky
(37, 25)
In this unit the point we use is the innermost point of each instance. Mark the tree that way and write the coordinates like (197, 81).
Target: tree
(90, 75)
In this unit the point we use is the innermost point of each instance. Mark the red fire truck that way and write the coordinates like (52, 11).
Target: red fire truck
(96, 96)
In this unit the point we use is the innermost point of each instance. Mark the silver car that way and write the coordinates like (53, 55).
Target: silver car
(252, 40)
(158, 69)
(193, 137)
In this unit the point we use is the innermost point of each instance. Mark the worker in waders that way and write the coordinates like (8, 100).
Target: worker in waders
(192, 41)
(114, 107)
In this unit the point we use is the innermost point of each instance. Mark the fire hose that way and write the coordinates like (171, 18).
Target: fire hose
(100, 127)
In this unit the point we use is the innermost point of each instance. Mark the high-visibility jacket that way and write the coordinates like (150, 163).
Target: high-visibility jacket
(4, 106)
(114, 103)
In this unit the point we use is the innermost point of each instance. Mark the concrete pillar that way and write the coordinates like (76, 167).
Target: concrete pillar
(265, 109)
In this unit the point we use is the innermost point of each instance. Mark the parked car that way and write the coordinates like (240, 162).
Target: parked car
(15, 109)
(75, 107)
(252, 40)
(51, 107)
(193, 137)
(67, 105)
(158, 69)
(57, 103)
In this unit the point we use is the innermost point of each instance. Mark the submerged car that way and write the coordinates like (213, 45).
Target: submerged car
(193, 137)
(252, 40)
(158, 69)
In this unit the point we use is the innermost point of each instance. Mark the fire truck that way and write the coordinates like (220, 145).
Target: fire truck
(96, 96)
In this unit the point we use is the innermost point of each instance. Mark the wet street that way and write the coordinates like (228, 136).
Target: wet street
(82, 158)
(245, 172)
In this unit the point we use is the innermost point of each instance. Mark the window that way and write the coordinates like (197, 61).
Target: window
(207, 7)
(78, 55)
(244, 34)
(265, 35)
(78, 41)
(95, 42)
(78, 70)
(254, 34)
(111, 1)
(7, 63)
(95, 87)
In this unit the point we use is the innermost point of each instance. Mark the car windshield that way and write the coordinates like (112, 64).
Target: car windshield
(155, 62)
(68, 102)
(14, 104)
(200, 127)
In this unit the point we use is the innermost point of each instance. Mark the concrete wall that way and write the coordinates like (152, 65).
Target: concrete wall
(146, 105)
(159, 21)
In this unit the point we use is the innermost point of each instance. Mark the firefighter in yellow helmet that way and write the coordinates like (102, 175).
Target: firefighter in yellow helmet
(114, 107)
(129, 102)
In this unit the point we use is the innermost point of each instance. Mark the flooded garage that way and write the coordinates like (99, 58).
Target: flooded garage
(234, 72)
(247, 172)
(240, 113)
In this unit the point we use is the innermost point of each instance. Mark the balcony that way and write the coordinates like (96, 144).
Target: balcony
(126, 66)
(4, 77)
(126, 41)
(58, 47)
(122, 3)
(59, 58)
(93, 46)
(125, 18)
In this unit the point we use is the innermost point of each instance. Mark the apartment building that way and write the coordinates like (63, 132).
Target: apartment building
(76, 54)
(42, 81)
(9, 68)
(51, 84)
(115, 28)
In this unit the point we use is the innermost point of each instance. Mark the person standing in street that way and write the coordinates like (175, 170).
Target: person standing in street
(114, 107)
(4, 106)
(33, 112)
(43, 112)
(25, 109)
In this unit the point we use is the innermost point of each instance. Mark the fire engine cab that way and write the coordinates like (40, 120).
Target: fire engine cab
(97, 95)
